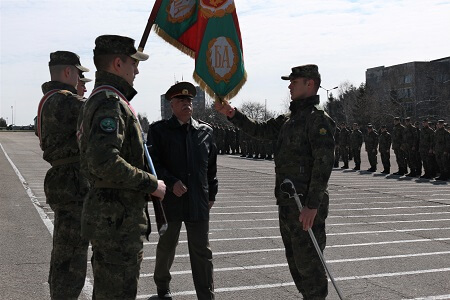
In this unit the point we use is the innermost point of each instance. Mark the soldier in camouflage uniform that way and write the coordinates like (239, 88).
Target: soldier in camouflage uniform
(426, 149)
(344, 143)
(65, 188)
(398, 138)
(418, 158)
(305, 155)
(112, 156)
(410, 140)
(442, 149)
(336, 147)
(371, 144)
(384, 146)
(356, 141)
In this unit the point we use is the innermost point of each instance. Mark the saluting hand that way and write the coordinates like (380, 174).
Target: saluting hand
(307, 216)
(179, 188)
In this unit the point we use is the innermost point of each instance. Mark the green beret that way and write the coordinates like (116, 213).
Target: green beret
(181, 90)
(116, 44)
(66, 58)
(306, 71)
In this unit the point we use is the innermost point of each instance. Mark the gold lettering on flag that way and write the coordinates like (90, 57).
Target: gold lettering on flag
(180, 10)
(222, 58)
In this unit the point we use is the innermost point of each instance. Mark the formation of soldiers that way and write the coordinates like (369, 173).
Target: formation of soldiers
(416, 148)
(230, 140)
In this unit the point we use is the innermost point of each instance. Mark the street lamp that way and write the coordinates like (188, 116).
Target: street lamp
(328, 90)
(12, 115)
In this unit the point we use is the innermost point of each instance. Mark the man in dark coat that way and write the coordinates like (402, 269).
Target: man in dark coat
(185, 157)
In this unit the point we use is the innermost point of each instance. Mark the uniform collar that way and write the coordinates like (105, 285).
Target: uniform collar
(106, 78)
(301, 104)
(57, 85)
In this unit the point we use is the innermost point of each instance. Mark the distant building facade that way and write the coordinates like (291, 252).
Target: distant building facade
(415, 89)
(198, 104)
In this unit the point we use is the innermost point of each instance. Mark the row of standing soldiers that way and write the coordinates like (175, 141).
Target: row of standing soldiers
(414, 148)
(230, 140)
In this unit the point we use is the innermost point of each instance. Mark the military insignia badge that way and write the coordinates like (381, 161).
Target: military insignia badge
(322, 131)
(108, 125)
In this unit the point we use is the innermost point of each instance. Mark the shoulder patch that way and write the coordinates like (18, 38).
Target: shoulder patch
(108, 125)
(322, 131)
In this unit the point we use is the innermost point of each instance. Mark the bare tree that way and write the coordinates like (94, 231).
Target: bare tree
(144, 122)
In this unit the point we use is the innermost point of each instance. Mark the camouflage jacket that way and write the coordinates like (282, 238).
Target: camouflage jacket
(398, 134)
(344, 137)
(356, 139)
(112, 157)
(426, 139)
(63, 182)
(410, 137)
(59, 121)
(384, 141)
(441, 141)
(371, 141)
(304, 151)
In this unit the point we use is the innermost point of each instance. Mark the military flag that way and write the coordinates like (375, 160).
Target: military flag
(208, 31)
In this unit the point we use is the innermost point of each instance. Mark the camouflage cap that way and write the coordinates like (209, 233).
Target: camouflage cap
(408, 119)
(369, 125)
(66, 58)
(397, 118)
(116, 44)
(306, 71)
(181, 90)
(441, 121)
(84, 79)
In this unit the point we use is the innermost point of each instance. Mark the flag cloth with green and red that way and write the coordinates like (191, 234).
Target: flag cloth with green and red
(208, 31)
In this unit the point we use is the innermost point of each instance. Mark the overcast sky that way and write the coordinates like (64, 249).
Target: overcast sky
(343, 37)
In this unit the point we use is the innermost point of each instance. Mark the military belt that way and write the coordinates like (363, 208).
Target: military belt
(65, 161)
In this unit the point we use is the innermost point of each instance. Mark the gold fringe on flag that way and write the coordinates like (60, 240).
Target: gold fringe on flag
(159, 31)
(213, 95)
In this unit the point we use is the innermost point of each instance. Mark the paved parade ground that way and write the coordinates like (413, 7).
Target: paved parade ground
(388, 236)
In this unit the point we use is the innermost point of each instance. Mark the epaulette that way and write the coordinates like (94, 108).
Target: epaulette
(66, 92)
(203, 122)
(111, 94)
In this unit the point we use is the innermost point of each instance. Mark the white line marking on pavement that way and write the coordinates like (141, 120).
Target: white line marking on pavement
(438, 297)
(88, 288)
(255, 267)
(283, 284)
(328, 247)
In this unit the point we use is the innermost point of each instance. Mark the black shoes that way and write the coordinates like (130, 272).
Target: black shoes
(386, 171)
(411, 174)
(425, 176)
(164, 294)
(398, 173)
(371, 169)
(356, 168)
(344, 167)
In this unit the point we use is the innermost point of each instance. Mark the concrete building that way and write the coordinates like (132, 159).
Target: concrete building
(198, 104)
(415, 89)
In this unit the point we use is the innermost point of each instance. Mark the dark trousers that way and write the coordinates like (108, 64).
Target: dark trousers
(400, 156)
(304, 262)
(116, 264)
(386, 159)
(200, 255)
(344, 154)
(372, 156)
(357, 156)
(68, 261)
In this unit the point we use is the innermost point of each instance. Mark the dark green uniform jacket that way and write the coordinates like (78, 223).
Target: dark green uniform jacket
(112, 157)
(63, 182)
(304, 151)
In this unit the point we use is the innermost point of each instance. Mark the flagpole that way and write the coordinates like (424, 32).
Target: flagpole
(151, 21)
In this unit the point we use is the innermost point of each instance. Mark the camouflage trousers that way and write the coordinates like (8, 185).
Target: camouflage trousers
(116, 264)
(372, 156)
(304, 262)
(344, 155)
(69, 254)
